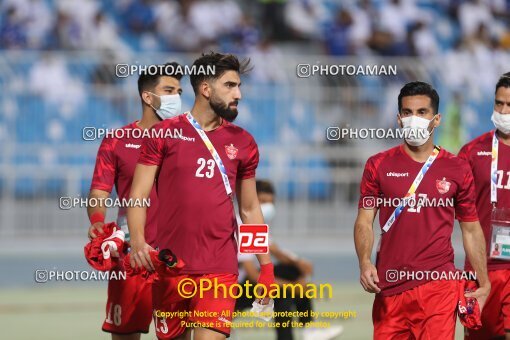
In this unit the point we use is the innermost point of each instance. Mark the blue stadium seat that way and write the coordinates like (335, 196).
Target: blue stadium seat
(53, 187)
(25, 187)
(25, 159)
(263, 126)
(3, 187)
(77, 158)
(82, 70)
(318, 189)
(31, 120)
(85, 187)
(483, 109)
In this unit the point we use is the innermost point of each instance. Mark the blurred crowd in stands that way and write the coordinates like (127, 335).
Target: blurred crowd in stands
(66, 91)
(364, 27)
(463, 34)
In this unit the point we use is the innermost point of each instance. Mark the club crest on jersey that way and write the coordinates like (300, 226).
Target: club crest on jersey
(231, 151)
(443, 186)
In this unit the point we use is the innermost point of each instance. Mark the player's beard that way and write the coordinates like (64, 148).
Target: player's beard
(223, 110)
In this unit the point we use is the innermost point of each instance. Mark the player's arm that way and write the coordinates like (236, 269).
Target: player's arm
(474, 246)
(141, 187)
(364, 242)
(250, 213)
(249, 209)
(102, 184)
(363, 233)
(472, 234)
(97, 212)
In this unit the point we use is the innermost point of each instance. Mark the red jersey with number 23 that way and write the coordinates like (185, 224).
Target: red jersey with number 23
(479, 155)
(420, 237)
(196, 218)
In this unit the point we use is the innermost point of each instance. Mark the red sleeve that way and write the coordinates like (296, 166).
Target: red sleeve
(465, 203)
(152, 151)
(369, 186)
(106, 164)
(464, 153)
(250, 163)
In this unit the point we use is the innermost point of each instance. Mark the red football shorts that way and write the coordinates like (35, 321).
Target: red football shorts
(173, 312)
(129, 305)
(424, 312)
(496, 311)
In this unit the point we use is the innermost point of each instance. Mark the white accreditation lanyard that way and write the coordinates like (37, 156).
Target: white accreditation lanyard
(398, 210)
(494, 170)
(213, 152)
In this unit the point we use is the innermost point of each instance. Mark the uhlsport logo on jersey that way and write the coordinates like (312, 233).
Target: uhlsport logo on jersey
(443, 186)
(397, 174)
(187, 139)
(133, 146)
(231, 151)
(484, 153)
(253, 239)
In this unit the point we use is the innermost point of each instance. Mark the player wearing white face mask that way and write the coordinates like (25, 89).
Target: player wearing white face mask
(415, 231)
(417, 129)
(489, 158)
(502, 120)
(170, 105)
(289, 268)
(129, 304)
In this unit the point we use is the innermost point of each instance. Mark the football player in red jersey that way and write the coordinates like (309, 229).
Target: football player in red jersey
(416, 238)
(129, 305)
(197, 175)
(493, 198)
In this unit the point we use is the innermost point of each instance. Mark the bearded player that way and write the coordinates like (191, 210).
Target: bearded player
(418, 238)
(129, 305)
(197, 176)
(493, 197)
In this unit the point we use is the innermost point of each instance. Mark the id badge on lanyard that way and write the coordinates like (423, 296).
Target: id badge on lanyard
(500, 217)
(500, 234)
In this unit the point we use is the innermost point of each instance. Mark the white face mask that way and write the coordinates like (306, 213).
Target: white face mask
(501, 122)
(170, 106)
(416, 130)
(268, 211)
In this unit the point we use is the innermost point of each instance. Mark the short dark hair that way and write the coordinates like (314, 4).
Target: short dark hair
(504, 81)
(264, 186)
(148, 81)
(419, 88)
(221, 63)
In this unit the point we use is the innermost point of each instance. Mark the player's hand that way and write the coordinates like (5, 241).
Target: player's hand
(481, 295)
(140, 255)
(266, 278)
(95, 230)
(369, 278)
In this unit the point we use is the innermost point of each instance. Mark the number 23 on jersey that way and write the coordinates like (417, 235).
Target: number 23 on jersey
(205, 168)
